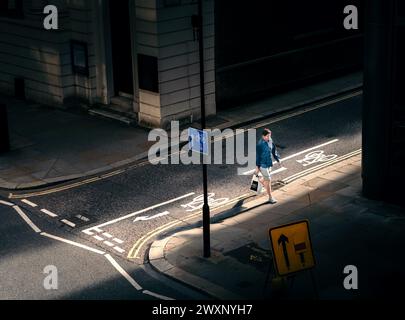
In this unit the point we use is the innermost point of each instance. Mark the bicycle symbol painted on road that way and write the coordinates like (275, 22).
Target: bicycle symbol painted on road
(198, 202)
(316, 156)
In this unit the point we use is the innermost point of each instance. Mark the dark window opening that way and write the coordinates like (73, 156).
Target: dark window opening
(11, 8)
(80, 60)
(148, 73)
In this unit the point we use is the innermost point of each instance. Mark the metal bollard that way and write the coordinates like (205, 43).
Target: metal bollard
(4, 135)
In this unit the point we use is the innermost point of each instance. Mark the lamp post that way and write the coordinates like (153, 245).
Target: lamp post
(197, 22)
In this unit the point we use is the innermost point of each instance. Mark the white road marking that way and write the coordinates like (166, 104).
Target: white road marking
(147, 218)
(248, 173)
(26, 219)
(134, 252)
(70, 224)
(98, 238)
(76, 244)
(316, 156)
(123, 272)
(119, 249)
(107, 235)
(118, 240)
(307, 150)
(7, 203)
(49, 213)
(31, 204)
(88, 232)
(140, 211)
(108, 243)
(159, 296)
(198, 202)
(321, 166)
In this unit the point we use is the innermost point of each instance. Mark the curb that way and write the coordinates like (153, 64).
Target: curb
(7, 186)
(158, 261)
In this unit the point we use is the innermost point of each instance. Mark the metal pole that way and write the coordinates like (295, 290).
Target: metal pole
(206, 208)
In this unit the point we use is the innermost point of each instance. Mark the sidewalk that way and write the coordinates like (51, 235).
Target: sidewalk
(346, 229)
(49, 145)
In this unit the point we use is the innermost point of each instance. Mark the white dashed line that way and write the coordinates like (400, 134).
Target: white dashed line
(88, 232)
(119, 249)
(26, 219)
(123, 272)
(118, 240)
(107, 235)
(49, 213)
(6, 203)
(98, 238)
(159, 296)
(108, 243)
(76, 244)
(67, 222)
(31, 204)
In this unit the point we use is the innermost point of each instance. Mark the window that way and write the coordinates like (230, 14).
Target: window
(80, 60)
(148, 73)
(11, 8)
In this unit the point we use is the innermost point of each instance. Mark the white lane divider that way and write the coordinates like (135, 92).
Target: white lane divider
(123, 272)
(107, 235)
(76, 244)
(310, 149)
(69, 223)
(250, 172)
(159, 296)
(108, 243)
(26, 219)
(118, 249)
(82, 246)
(49, 213)
(92, 229)
(31, 204)
(6, 203)
(107, 240)
(118, 240)
(295, 155)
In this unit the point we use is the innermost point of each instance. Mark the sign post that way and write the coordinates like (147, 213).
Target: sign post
(197, 23)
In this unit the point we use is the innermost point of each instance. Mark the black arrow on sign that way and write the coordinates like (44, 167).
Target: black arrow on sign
(283, 240)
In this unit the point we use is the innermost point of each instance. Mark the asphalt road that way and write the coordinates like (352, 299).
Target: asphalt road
(122, 214)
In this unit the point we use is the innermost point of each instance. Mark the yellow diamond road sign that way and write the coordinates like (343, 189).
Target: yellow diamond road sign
(292, 248)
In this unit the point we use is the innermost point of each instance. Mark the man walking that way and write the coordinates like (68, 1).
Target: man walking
(265, 149)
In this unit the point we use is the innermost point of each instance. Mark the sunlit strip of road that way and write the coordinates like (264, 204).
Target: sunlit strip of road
(134, 252)
(295, 155)
(321, 166)
(88, 231)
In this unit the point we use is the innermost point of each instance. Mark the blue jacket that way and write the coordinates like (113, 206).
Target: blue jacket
(263, 154)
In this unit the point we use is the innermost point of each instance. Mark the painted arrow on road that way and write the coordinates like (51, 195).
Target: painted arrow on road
(283, 240)
(146, 218)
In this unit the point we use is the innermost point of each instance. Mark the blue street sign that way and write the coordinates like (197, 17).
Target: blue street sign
(198, 140)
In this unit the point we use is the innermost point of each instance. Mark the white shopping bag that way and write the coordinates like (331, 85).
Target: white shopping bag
(255, 185)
